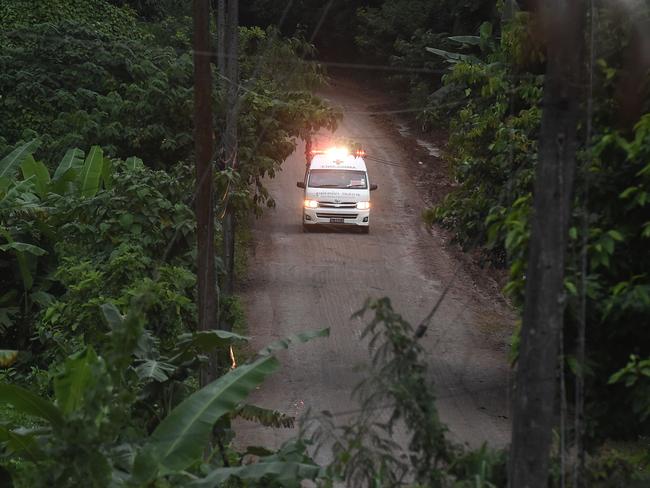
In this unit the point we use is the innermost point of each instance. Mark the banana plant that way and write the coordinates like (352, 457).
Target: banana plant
(288, 467)
(74, 174)
(10, 163)
(86, 403)
(27, 200)
(484, 41)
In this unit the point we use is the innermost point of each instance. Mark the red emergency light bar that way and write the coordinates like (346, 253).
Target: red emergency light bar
(359, 153)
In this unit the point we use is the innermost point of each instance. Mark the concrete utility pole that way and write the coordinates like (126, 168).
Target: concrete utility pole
(203, 153)
(535, 384)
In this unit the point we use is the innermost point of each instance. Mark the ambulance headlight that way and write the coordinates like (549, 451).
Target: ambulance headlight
(311, 204)
(363, 205)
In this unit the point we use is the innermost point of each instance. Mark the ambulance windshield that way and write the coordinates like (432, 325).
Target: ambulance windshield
(337, 178)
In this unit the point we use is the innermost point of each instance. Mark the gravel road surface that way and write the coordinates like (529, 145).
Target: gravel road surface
(303, 281)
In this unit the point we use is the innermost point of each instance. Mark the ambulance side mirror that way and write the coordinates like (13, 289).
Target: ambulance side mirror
(300, 184)
(373, 187)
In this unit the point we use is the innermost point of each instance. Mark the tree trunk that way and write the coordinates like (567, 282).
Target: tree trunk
(535, 383)
(203, 153)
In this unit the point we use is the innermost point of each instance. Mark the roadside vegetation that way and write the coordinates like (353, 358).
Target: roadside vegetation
(484, 87)
(476, 70)
(496, 88)
(100, 353)
(98, 322)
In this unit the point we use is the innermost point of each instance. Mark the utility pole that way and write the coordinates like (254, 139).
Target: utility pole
(535, 383)
(203, 153)
(219, 7)
(508, 12)
(232, 76)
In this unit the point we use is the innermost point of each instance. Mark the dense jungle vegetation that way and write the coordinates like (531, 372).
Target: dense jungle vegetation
(99, 348)
(97, 262)
(485, 89)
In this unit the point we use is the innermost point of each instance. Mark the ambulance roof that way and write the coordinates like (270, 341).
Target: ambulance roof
(327, 161)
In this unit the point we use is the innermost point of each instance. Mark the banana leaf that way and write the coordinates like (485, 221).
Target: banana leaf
(134, 163)
(190, 344)
(180, 438)
(73, 159)
(107, 173)
(79, 374)
(10, 163)
(470, 40)
(26, 402)
(453, 57)
(36, 170)
(298, 338)
(288, 473)
(21, 249)
(20, 443)
(91, 172)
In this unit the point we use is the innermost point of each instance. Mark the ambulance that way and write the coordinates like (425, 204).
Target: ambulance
(336, 190)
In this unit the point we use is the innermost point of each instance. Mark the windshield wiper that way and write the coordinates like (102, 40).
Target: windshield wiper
(326, 186)
(356, 186)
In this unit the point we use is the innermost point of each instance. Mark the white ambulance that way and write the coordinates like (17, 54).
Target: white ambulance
(336, 190)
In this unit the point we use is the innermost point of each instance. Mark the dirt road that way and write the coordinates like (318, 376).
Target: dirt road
(305, 281)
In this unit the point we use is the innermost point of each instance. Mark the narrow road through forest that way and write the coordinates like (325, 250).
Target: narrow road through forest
(302, 281)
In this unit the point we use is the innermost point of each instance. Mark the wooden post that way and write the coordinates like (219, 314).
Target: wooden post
(203, 154)
(220, 15)
(536, 377)
(232, 74)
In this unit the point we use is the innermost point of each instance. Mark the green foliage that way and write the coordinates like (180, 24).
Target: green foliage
(30, 404)
(333, 24)
(389, 23)
(490, 101)
(619, 464)
(81, 230)
(483, 467)
(99, 15)
(180, 438)
(91, 431)
(397, 391)
(398, 34)
(102, 236)
(275, 108)
(286, 468)
(78, 442)
(88, 88)
(493, 150)
(636, 375)
(14, 159)
(154, 9)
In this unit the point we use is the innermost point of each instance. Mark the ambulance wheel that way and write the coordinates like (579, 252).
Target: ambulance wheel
(306, 229)
(365, 230)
